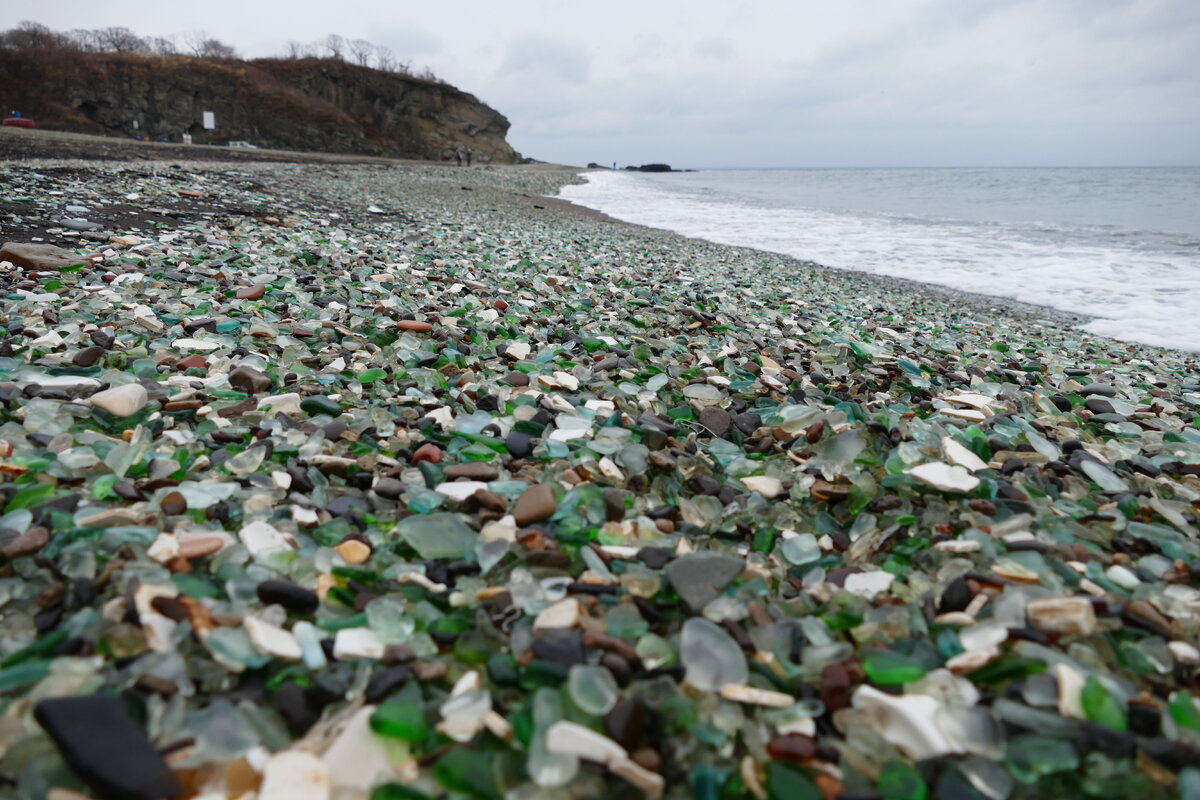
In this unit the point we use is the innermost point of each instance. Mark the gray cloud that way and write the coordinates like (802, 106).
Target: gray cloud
(544, 60)
(717, 48)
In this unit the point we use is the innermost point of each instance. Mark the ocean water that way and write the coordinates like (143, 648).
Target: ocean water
(1121, 245)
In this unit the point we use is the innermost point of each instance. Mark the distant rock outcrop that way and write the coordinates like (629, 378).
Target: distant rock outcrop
(300, 104)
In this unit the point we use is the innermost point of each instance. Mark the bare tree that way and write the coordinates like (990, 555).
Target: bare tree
(201, 45)
(121, 40)
(361, 51)
(384, 59)
(194, 42)
(217, 50)
(29, 35)
(336, 45)
(296, 49)
(163, 45)
(85, 40)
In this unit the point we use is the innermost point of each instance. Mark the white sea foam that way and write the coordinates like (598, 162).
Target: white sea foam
(995, 232)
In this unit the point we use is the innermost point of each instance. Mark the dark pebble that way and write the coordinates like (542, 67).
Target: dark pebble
(956, 597)
(87, 356)
(717, 420)
(297, 711)
(519, 444)
(1029, 635)
(347, 505)
(614, 504)
(334, 430)
(619, 666)
(250, 380)
(648, 420)
(654, 439)
(563, 647)
(389, 488)
(835, 687)
(747, 423)
(291, 596)
(1060, 402)
(626, 723)
(1145, 720)
(792, 747)
(105, 748)
(384, 682)
(1144, 467)
(515, 378)
(1102, 389)
(173, 504)
(127, 491)
(85, 591)
(1113, 743)
(654, 557)
(1172, 755)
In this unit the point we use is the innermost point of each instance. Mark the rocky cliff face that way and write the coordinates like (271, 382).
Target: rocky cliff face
(301, 104)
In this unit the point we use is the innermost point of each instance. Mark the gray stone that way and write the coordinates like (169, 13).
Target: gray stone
(249, 380)
(701, 577)
(39, 256)
(1102, 389)
(717, 420)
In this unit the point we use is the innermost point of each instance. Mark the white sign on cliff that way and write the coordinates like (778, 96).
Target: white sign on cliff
(210, 120)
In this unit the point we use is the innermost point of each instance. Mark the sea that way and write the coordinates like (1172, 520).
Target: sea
(1120, 245)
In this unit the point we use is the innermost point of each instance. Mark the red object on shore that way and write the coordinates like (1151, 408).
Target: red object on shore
(18, 122)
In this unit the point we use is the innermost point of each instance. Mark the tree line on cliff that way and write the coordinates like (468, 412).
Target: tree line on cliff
(199, 44)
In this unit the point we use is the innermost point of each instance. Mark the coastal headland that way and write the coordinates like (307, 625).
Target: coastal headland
(334, 472)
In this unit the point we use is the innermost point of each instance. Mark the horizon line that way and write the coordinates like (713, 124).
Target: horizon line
(634, 168)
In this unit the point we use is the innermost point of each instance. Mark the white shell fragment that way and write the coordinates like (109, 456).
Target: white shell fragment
(741, 693)
(572, 739)
(941, 475)
(906, 721)
(295, 775)
(960, 455)
(563, 614)
(357, 643)
(765, 485)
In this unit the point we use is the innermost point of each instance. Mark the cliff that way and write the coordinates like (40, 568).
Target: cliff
(297, 104)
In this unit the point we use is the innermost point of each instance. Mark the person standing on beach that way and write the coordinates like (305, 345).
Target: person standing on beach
(458, 155)
(468, 156)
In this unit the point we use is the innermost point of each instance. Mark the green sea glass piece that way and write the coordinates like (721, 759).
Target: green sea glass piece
(401, 719)
(901, 781)
(319, 404)
(1099, 705)
(785, 782)
(889, 668)
(1032, 756)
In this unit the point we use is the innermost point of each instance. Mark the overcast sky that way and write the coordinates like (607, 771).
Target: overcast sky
(766, 83)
